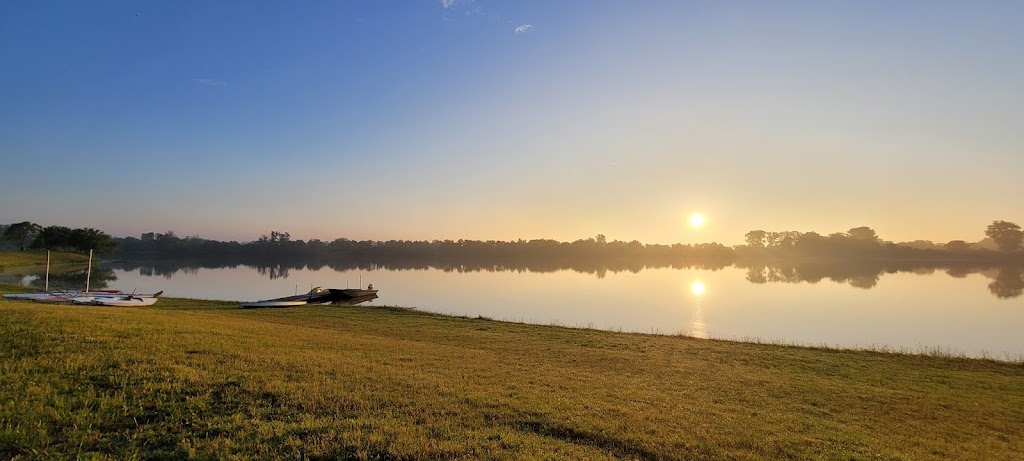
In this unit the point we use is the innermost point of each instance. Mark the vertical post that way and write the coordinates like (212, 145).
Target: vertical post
(88, 272)
(46, 284)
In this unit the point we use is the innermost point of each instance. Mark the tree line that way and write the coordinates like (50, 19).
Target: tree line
(856, 243)
(29, 235)
(280, 247)
(864, 243)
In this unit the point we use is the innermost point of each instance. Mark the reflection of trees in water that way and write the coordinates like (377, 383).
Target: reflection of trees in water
(168, 268)
(958, 272)
(1008, 283)
(864, 281)
(1007, 280)
(280, 269)
(855, 274)
(274, 272)
(75, 280)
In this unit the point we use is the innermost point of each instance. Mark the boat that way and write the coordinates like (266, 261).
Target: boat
(120, 300)
(271, 303)
(59, 293)
(128, 301)
(57, 297)
(352, 295)
(319, 295)
(116, 301)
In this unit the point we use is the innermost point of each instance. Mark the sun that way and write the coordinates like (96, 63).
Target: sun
(697, 288)
(696, 220)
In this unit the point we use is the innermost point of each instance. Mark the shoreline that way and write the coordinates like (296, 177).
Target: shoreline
(936, 351)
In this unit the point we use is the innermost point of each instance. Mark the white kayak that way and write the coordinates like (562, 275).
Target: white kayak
(67, 295)
(125, 302)
(119, 301)
(31, 296)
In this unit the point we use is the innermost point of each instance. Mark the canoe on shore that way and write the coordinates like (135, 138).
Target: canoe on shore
(102, 297)
(63, 293)
(118, 301)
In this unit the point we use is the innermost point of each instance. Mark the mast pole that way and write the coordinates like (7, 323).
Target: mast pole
(88, 272)
(46, 284)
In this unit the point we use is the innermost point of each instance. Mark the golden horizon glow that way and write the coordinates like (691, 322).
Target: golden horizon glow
(697, 288)
(696, 220)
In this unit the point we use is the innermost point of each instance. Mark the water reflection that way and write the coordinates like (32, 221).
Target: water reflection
(1007, 280)
(100, 279)
(1008, 283)
(273, 272)
(697, 288)
(697, 327)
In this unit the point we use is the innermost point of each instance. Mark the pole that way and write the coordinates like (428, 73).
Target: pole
(88, 272)
(46, 284)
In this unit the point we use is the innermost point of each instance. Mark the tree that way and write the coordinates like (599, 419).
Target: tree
(755, 238)
(958, 245)
(52, 238)
(863, 233)
(22, 232)
(91, 239)
(1007, 235)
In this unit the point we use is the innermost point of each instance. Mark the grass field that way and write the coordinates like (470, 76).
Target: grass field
(29, 262)
(207, 380)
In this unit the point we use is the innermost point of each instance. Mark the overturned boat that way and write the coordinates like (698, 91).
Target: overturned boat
(320, 295)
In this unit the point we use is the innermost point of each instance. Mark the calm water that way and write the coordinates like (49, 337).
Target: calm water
(971, 312)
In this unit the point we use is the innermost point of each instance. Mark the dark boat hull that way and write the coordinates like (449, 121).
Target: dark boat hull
(331, 295)
(352, 295)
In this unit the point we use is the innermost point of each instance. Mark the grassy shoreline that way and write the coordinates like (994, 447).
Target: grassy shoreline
(206, 379)
(34, 261)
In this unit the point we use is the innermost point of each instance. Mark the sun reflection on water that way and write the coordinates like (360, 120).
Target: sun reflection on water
(698, 328)
(697, 288)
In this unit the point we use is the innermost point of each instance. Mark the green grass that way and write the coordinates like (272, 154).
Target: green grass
(204, 379)
(28, 262)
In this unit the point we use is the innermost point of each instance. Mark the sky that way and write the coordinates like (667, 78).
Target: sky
(477, 119)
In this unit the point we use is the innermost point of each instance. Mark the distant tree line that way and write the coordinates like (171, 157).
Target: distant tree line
(277, 249)
(33, 236)
(855, 244)
(864, 243)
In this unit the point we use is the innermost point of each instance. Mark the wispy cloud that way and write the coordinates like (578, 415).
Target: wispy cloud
(210, 82)
(524, 28)
(450, 3)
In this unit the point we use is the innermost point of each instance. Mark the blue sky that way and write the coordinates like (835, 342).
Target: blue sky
(504, 120)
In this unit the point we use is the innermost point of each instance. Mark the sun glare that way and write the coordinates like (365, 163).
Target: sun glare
(696, 220)
(697, 288)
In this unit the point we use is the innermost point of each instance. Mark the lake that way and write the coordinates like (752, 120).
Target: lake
(976, 311)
